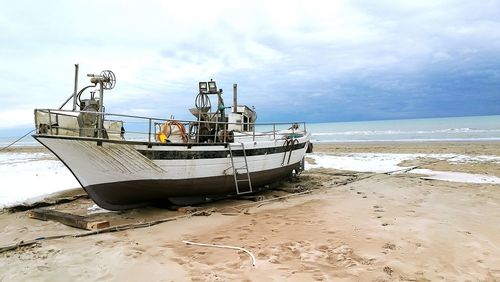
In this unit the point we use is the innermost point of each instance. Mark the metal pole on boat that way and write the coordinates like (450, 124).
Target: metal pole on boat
(74, 91)
(101, 110)
(235, 98)
(36, 121)
(149, 133)
(50, 122)
(76, 86)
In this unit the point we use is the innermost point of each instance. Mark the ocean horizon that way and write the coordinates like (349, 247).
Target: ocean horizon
(447, 129)
(470, 128)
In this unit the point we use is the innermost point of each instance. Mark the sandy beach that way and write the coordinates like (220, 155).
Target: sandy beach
(341, 226)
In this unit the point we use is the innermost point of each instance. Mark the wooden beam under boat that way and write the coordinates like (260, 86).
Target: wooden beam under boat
(72, 220)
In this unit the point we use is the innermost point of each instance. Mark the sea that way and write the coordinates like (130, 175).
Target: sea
(28, 176)
(476, 128)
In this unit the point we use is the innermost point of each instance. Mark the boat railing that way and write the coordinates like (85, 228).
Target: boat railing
(146, 129)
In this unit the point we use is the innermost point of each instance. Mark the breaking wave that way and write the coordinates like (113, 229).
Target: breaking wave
(394, 132)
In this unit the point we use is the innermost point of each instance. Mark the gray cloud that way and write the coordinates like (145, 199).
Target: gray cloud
(322, 61)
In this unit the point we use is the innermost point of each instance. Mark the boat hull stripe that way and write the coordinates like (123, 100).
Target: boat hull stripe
(191, 154)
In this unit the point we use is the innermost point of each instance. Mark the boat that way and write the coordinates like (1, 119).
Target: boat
(124, 161)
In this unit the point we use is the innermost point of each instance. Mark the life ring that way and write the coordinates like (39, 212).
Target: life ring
(167, 128)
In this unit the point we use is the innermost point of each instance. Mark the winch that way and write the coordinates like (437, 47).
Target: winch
(90, 119)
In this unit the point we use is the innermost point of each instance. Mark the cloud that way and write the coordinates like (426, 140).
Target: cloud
(315, 61)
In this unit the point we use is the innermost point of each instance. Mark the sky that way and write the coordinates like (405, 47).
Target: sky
(314, 61)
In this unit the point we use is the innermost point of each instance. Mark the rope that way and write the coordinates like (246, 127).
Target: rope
(224, 247)
(202, 101)
(99, 231)
(151, 223)
(17, 140)
(166, 130)
(136, 225)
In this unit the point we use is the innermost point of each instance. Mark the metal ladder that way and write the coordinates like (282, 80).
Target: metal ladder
(288, 146)
(243, 168)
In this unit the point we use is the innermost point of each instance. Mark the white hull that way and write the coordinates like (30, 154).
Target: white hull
(124, 174)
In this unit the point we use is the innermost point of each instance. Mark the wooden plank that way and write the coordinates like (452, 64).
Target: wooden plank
(72, 220)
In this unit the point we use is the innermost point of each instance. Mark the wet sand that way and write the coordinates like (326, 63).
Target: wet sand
(350, 227)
